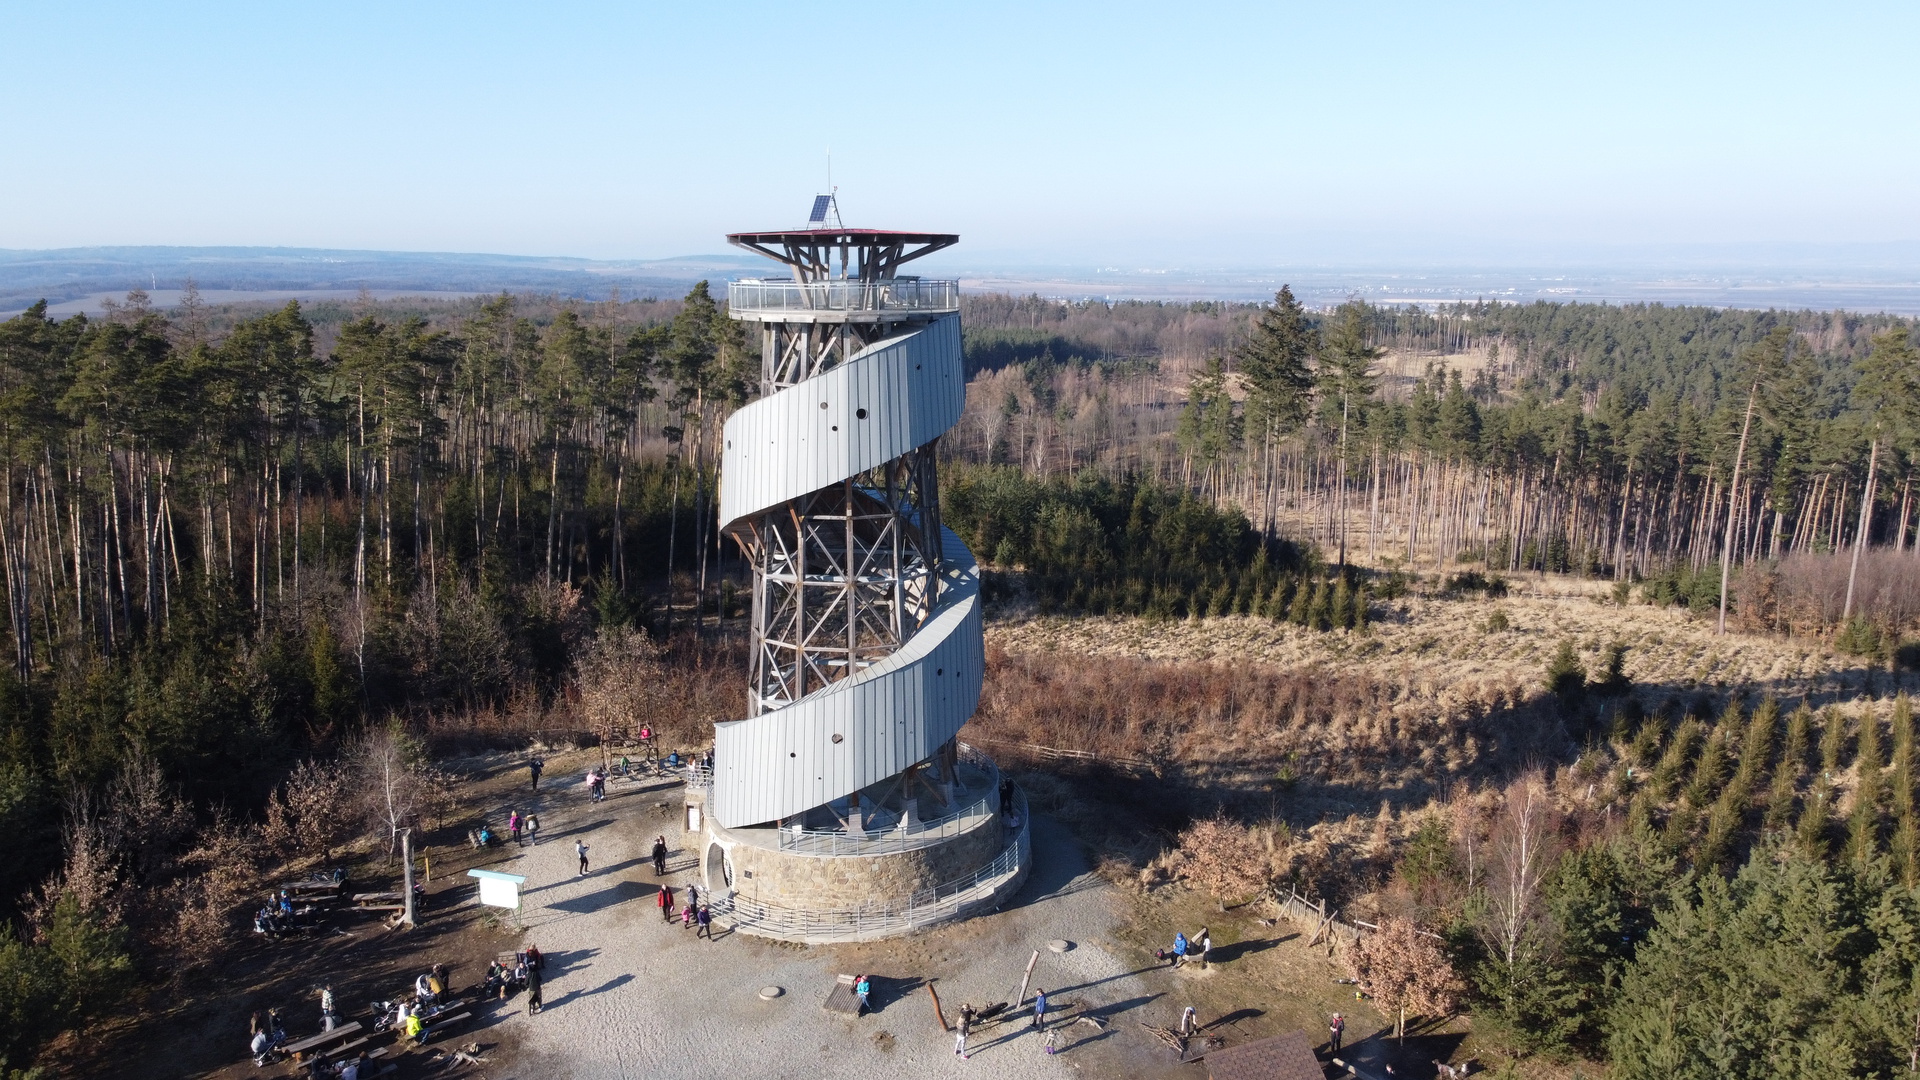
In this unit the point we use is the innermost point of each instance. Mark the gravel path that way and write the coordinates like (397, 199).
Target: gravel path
(627, 996)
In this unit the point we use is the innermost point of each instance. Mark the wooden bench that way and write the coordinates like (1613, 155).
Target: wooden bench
(376, 897)
(344, 1049)
(313, 1042)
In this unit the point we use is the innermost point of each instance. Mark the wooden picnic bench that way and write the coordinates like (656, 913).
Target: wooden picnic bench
(314, 1042)
(376, 897)
(440, 1021)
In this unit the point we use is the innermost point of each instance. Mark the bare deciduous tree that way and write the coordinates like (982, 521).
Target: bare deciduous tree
(387, 765)
(1521, 852)
(621, 683)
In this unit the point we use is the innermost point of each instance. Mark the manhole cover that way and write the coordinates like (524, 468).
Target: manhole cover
(1059, 945)
(768, 993)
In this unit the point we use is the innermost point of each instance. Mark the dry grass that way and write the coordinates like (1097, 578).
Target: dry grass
(1353, 741)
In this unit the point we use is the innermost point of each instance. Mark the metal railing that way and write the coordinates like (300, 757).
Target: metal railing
(897, 294)
(899, 834)
(923, 907)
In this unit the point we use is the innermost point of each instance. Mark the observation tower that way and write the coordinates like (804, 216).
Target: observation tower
(843, 806)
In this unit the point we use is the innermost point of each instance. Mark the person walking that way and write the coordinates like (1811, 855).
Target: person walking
(513, 825)
(534, 1002)
(533, 829)
(328, 1018)
(580, 849)
(533, 769)
(960, 1032)
(1039, 1008)
(862, 988)
(659, 856)
(664, 900)
(1336, 1027)
(706, 923)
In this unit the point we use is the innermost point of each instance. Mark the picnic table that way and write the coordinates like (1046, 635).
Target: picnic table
(315, 1042)
(321, 885)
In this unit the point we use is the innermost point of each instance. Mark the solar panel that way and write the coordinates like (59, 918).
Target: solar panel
(820, 204)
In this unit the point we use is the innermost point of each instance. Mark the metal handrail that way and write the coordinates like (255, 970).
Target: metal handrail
(896, 294)
(922, 907)
(899, 836)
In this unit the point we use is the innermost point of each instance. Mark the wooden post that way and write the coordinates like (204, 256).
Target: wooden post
(406, 889)
(1027, 978)
(938, 1015)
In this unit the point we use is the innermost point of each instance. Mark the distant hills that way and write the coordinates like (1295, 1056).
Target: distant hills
(72, 278)
(1866, 279)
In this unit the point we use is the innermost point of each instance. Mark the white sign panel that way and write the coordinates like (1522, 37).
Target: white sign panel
(497, 889)
(497, 893)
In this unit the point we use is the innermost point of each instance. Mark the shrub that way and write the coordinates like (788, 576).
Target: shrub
(1566, 678)
(1225, 858)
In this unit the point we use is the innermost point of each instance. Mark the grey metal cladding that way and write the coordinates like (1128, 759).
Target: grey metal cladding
(889, 716)
(913, 387)
(902, 709)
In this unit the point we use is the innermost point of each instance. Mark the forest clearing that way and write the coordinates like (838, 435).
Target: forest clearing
(1445, 659)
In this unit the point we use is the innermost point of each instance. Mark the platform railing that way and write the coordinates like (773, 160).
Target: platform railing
(899, 834)
(880, 918)
(896, 294)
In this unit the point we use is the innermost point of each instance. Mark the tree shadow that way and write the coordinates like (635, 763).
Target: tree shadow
(588, 827)
(618, 892)
(1110, 978)
(1234, 1017)
(1223, 954)
(573, 995)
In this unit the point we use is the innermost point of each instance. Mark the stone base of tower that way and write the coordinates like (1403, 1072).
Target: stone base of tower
(819, 887)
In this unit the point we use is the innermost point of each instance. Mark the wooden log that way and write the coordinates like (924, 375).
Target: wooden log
(938, 1015)
(1027, 978)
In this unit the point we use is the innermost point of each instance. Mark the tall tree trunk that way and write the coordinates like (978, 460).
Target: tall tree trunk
(1866, 520)
(1733, 490)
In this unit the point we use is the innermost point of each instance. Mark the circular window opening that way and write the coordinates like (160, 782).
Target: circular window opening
(823, 405)
(861, 413)
(838, 737)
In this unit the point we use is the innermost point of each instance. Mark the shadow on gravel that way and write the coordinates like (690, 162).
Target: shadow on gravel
(613, 894)
(1059, 866)
(571, 995)
(885, 990)
(588, 827)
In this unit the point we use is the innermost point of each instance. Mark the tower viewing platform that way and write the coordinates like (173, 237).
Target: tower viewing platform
(754, 300)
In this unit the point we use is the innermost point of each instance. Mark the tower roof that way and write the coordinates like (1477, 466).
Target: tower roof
(865, 254)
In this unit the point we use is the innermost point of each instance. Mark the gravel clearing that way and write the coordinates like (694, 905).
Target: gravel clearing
(627, 995)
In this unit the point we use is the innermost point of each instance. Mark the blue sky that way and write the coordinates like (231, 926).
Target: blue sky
(1135, 134)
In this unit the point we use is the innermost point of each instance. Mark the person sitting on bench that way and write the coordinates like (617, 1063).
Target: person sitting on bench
(496, 980)
(416, 1028)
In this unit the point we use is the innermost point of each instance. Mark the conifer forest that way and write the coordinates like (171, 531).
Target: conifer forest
(247, 545)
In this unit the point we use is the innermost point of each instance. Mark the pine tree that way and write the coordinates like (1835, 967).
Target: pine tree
(1341, 616)
(1300, 613)
(1319, 613)
(1786, 775)
(1906, 830)
(1863, 827)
